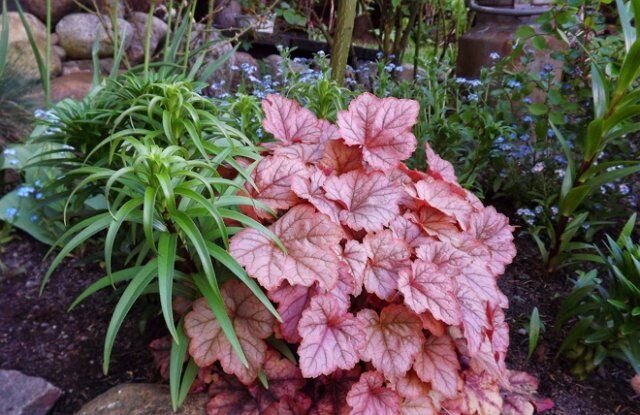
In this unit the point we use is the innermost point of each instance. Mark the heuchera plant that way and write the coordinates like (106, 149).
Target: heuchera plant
(387, 287)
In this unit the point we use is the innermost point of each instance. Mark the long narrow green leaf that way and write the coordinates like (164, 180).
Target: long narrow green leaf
(188, 378)
(167, 247)
(176, 362)
(233, 266)
(91, 226)
(128, 298)
(104, 282)
(121, 215)
(4, 38)
(42, 67)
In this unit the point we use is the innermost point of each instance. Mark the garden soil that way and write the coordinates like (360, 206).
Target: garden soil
(40, 338)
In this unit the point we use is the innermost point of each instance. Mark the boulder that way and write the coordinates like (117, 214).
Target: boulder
(230, 11)
(59, 8)
(78, 30)
(75, 85)
(141, 399)
(26, 395)
(17, 32)
(139, 22)
(273, 65)
(217, 46)
(20, 55)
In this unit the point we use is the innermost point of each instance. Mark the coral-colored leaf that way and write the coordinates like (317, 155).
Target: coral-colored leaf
(494, 231)
(440, 168)
(355, 255)
(251, 321)
(438, 364)
(339, 158)
(411, 386)
(311, 151)
(289, 122)
(329, 336)
(273, 177)
(292, 301)
(310, 189)
(438, 195)
(392, 339)
(481, 395)
(409, 232)
(283, 376)
(297, 404)
(436, 327)
(443, 254)
(386, 257)
(434, 222)
(426, 287)
(369, 201)
(419, 405)
(382, 127)
(369, 396)
(310, 239)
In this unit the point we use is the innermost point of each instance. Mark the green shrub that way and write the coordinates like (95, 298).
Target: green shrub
(605, 310)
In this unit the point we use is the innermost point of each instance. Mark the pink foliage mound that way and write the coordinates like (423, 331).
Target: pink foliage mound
(387, 288)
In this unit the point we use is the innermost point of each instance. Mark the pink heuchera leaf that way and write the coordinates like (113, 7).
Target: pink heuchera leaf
(494, 231)
(436, 327)
(409, 232)
(161, 352)
(382, 127)
(434, 222)
(386, 257)
(311, 151)
(252, 323)
(635, 383)
(392, 339)
(292, 301)
(310, 239)
(288, 121)
(440, 168)
(438, 364)
(419, 405)
(369, 396)
(474, 317)
(438, 195)
(273, 177)
(329, 338)
(443, 254)
(426, 287)
(355, 255)
(369, 201)
(310, 189)
(340, 158)
(345, 287)
(481, 395)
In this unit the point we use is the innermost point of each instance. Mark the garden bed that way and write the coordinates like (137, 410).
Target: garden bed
(39, 337)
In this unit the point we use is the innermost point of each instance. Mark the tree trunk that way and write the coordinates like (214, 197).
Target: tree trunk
(342, 39)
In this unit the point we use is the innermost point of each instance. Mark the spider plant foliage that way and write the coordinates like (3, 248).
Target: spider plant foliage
(168, 173)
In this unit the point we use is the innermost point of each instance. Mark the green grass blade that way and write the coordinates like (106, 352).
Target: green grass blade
(104, 282)
(128, 298)
(167, 247)
(121, 215)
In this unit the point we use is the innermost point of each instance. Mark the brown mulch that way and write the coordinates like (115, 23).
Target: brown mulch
(39, 337)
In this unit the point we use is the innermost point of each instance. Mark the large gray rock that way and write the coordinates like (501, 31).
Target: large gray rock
(74, 85)
(61, 8)
(78, 30)
(141, 399)
(230, 11)
(139, 21)
(25, 395)
(21, 55)
(217, 47)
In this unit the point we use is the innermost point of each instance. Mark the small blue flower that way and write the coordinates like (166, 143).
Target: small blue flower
(499, 140)
(513, 84)
(473, 97)
(11, 213)
(623, 189)
(9, 152)
(25, 191)
(527, 100)
(474, 82)
(461, 80)
(494, 56)
(38, 196)
(538, 168)
(34, 218)
(527, 119)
